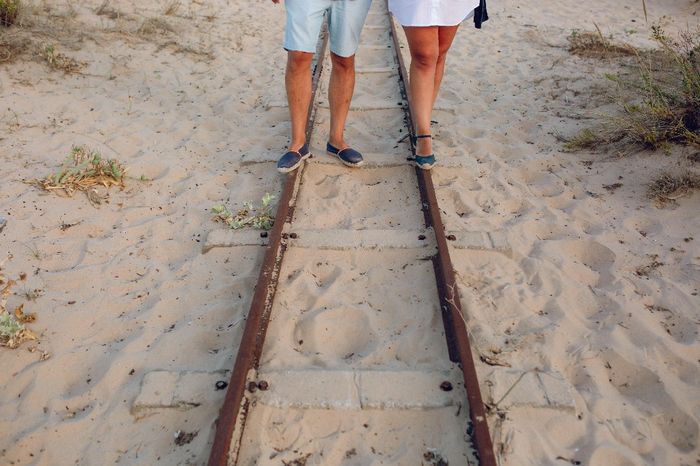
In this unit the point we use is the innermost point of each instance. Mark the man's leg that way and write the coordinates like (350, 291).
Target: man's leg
(298, 84)
(345, 22)
(340, 89)
(304, 18)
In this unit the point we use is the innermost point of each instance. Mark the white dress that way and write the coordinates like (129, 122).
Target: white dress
(432, 12)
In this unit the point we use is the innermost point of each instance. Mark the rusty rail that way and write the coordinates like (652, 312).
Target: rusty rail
(458, 343)
(235, 405)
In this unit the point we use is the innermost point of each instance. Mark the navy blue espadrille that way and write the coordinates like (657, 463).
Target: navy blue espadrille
(348, 156)
(292, 159)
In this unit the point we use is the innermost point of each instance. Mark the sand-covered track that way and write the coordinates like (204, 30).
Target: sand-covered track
(340, 357)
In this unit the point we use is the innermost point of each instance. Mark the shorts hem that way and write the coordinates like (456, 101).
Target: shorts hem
(343, 54)
(298, 50)
(295, 48)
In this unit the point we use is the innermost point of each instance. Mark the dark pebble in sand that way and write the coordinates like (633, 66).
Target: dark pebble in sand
(183, 438)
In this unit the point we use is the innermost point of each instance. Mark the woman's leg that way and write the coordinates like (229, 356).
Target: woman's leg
(446, 35)
(424, 45)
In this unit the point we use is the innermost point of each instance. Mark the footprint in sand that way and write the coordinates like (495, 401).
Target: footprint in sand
(460, 205)
(542, 228)
(647, 392)
(684, 367)
(335, 334)
(679, 327)
(607, 456)
(591, 254)
(643, 225)
(588, 259)
(632, 431)
(543, 184)
(328, 187)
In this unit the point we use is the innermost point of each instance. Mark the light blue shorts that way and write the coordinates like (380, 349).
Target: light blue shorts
(345, 21)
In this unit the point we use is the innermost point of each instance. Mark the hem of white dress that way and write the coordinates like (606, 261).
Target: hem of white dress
(470, 15)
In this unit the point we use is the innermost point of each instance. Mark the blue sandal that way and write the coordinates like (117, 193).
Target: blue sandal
(426, 162)
(348, 156)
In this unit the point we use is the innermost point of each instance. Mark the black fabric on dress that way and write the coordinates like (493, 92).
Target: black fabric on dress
(480, 14)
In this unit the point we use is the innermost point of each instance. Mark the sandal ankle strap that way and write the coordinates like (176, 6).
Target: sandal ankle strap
(414, 139)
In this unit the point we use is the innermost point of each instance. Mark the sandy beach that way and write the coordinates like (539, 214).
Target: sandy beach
(596, 291)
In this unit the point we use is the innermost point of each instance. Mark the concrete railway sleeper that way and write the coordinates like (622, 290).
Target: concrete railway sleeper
(361, 375)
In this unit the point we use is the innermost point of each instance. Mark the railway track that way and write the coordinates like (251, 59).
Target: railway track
(381, 368)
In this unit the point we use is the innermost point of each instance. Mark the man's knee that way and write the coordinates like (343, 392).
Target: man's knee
(298, 61)
(344, 64)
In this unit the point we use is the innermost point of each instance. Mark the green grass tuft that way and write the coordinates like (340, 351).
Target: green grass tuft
(84, 170)
(595, 45)
(9, 10)
(585, 139)
(659, 106)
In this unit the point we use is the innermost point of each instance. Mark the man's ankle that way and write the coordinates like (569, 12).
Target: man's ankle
(296, 145)
(338, 143)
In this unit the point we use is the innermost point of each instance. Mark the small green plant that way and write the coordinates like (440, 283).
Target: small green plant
(84, 170)
(50, 55)
(260, 218)
(33, 250)
(12, 329)
(12, 332)
(9, 327)
(58, 61)
(9, 10)
(585, 139)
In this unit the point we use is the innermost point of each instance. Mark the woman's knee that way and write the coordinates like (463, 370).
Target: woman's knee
(425, 56)
(442, 58)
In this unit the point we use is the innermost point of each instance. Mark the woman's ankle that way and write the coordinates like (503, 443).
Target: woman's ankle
(424, 146)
